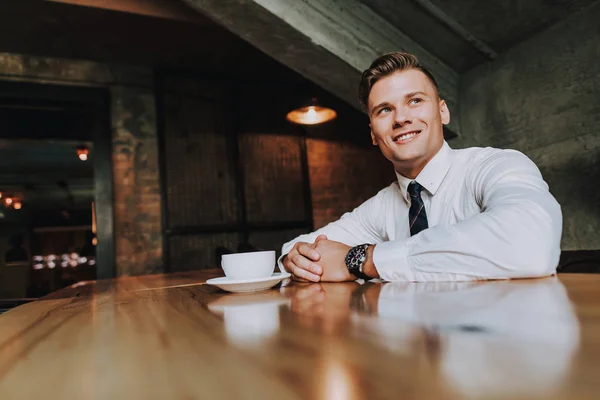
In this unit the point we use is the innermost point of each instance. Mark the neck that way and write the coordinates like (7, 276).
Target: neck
(410, 171)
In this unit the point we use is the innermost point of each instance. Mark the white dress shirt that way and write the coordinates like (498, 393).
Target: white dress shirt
(490, 216)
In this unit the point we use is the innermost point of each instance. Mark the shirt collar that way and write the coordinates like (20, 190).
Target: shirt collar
(432, 175)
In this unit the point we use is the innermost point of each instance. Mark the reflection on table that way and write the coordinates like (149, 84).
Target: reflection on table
(173, 336)
(488, 339)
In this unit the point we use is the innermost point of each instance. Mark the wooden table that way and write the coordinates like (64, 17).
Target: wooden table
(172, 337)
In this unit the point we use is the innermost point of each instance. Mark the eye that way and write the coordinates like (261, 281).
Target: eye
(416, 100)
(384, 110)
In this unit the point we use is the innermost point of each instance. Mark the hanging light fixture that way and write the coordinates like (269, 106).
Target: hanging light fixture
(8, 201)
(312, 114)
(17, 205)
(83, 153)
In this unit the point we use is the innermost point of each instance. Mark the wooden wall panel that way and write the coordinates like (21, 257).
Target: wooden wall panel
(272, 177)
(200, 172)
(273, 240)
(193, 252)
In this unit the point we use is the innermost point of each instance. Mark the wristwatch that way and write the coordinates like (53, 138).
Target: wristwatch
(355, 260)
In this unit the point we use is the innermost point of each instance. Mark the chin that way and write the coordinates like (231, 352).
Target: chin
(407, 156)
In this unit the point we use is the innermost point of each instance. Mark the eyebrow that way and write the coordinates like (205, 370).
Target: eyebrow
(413, 94)
(406, 96)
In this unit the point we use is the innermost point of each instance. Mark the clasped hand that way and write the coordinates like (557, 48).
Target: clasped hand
(321, 261)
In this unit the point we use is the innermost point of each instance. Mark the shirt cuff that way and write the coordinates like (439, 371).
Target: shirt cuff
(391, 260)
(280, 263)
(286, 248)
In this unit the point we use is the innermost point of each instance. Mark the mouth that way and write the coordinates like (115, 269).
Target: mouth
(406, 136)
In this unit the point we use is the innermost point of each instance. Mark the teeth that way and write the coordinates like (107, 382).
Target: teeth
(406, 136)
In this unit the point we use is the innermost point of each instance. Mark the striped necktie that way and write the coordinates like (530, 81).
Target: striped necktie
(417, 217)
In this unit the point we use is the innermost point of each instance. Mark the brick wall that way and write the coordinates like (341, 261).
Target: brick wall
(342, 176)
(342, 173)
(137, 207)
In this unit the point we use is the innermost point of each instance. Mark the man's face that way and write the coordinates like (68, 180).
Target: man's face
(407, 119)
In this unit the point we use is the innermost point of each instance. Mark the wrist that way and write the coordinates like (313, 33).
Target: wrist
(369, 266)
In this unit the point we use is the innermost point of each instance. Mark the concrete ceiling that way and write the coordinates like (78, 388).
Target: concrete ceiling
(153, 33)
(503, 24)
(332, 41)
(465, 33)
(460, 33)
(327, 41)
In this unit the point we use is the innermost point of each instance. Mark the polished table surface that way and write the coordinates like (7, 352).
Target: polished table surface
(173, 337)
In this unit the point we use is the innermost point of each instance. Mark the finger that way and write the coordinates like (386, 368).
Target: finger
(309, 252)
(304, 263)
(308, 292)
(320, 237)
(294, 260)
(298, 272)
(288, 261)
(300, 280)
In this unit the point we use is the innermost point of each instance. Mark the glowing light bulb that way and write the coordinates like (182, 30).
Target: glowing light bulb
(311, 115)
(82, 153)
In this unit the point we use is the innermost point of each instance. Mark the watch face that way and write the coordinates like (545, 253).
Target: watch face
(355, 258)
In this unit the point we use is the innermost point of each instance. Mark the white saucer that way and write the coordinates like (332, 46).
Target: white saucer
(248, 285)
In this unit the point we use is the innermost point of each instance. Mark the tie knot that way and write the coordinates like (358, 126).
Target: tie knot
(414, 189)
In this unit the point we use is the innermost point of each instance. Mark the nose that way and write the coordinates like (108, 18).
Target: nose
(401, 118)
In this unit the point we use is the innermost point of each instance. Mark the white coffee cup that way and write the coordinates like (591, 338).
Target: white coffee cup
(252, 265)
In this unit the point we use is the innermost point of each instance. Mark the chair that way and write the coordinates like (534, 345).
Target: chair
(580, 261)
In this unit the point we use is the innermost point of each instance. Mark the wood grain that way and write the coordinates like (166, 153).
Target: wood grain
(172, 336)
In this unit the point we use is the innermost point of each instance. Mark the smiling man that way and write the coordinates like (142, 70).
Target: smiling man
(476, 213)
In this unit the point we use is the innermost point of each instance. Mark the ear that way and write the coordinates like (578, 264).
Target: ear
(444, 112)
(373, 140)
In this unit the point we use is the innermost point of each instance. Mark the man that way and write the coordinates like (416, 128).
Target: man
(476, 213)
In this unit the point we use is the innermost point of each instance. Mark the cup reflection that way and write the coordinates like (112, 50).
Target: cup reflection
(250, 319)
